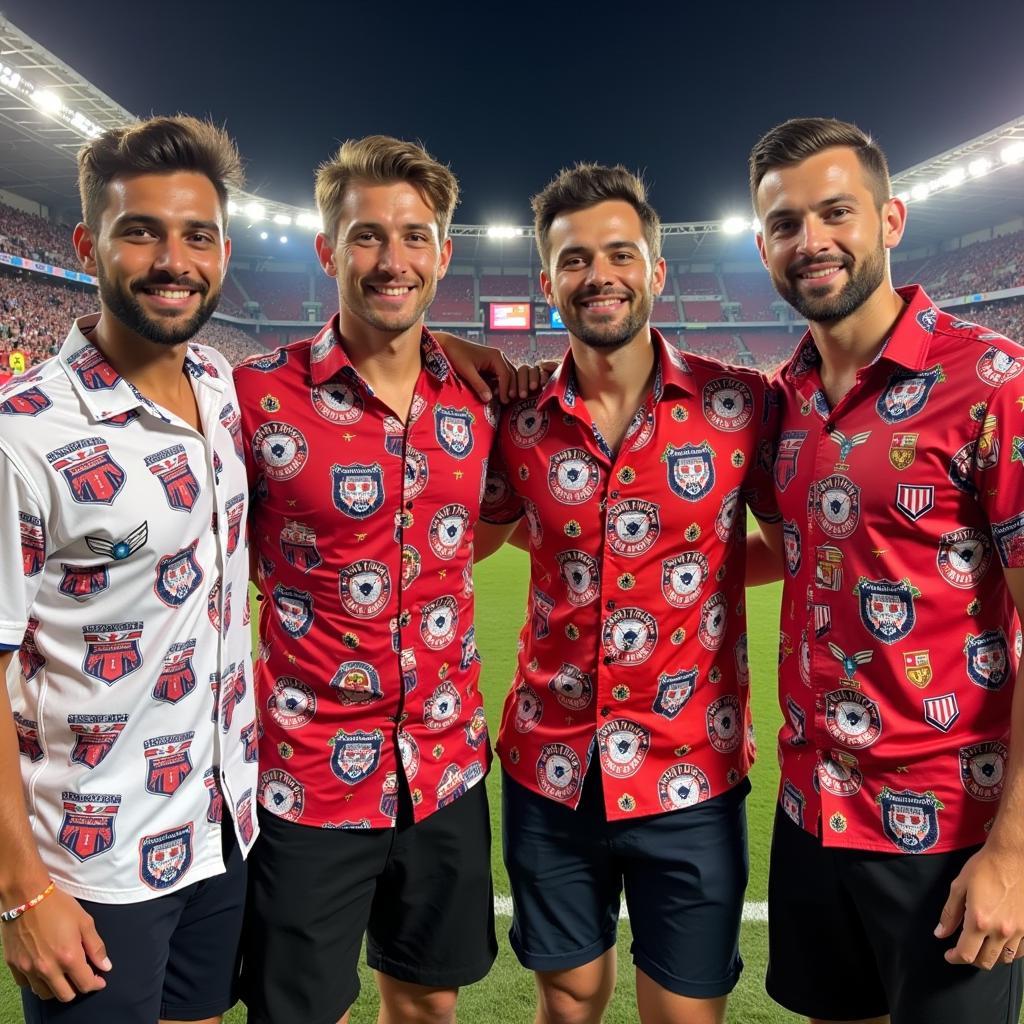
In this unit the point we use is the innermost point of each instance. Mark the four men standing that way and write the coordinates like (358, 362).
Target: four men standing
(625, 739)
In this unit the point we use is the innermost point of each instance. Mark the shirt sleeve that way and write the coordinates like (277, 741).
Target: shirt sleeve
(759, 486)
(501, 504)
(241, 378)
(23, 547)
(996, 472)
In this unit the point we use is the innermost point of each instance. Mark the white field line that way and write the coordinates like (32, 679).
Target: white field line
(752, 911)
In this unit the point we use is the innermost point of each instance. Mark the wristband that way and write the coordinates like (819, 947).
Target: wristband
(15, 912)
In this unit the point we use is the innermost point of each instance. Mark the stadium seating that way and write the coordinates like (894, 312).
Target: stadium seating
(517, 346)
(702, 312)
(454, 302)
(513, 286)
(698, 284)
(717, 344)
(665, 311)
(754, 293)
(25, 234)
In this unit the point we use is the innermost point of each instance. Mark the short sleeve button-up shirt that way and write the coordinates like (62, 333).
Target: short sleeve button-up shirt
(899, 639)
(636, 629)
(125, 595)
(363, 527)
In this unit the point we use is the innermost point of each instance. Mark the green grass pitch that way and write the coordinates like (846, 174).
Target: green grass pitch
(508, 990)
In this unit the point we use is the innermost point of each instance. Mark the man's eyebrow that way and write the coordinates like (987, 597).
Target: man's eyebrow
(149, 221)
(370, 225)
(842, 197)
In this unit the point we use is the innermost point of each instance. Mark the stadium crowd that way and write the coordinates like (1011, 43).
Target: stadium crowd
(35, 238)
(35, 313)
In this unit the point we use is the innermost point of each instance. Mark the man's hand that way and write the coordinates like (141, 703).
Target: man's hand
(53, 949)
(988, 897)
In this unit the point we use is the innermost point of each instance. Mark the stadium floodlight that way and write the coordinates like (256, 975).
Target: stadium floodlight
(47, 100)
(282, 218)
(980, 167)
(734, 225)
(284, 239)
(233, 208)
(920, 192)
(9, 78)
(952, 178)
(305, 219)
(255, 212)
(755, 224)
(263, 235)
(1013, 153)
(903, 197)
(504, 231)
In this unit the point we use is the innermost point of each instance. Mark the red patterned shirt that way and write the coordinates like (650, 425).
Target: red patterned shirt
(636, 631)
(363, 528)
(899, 641)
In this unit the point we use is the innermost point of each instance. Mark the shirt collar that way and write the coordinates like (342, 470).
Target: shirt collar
(672, 373)
(102, 390)
(907, 345)
(328, 358)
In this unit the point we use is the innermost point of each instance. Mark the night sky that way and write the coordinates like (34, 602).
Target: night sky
(511, 92)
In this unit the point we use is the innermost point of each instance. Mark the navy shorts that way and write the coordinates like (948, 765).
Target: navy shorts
(175, 957)
(421, 893)
(850, 936)
(684, 874)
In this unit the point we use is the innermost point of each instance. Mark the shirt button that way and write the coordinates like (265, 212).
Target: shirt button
(610, 606)
(605, 712)
(408, 506)
(608, 659)
(615, 494)
(830, 428)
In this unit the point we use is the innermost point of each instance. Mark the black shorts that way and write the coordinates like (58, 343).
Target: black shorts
(850, 936)
(174, 957)
(421, 892)
(684, 875)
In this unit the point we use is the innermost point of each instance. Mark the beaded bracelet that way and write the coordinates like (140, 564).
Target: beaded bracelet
(12, 915)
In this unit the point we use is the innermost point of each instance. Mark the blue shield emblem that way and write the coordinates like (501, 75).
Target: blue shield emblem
(93, 370)
(887, 608)
(790, 443)
(907, 393)
(298, 545)
(178, 576)
(358, 490)
(264, 364)
(171, 468)
(294, 609)
(168, 763)
(92, 475)
(30, 402)
(674, 692)
(177, 678)
(792, 546)
(165, 858)
(988, 659)
(87, 829)
(95, 736)
(454, 430)
(356, 754)
(691, 470)
(83, 581)
(112, 650)
(909, 819)
(33, 547)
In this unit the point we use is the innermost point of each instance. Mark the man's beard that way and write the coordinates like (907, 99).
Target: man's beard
(391, 323)
(611, 336)
(863, 281)
(127, 308)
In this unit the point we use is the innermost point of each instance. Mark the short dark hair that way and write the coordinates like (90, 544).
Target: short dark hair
(160, 145)
(586, 185)
(795, 140)
(383, 160)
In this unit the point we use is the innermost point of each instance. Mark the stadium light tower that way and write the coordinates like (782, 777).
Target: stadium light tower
(503, 231)
(735, 225)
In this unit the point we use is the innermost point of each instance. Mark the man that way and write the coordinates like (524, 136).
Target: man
(900, 811)
(128, 765)
(367, 462)
(626, 738)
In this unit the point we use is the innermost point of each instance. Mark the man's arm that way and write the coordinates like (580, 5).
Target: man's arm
(50, 947)
(988, 894)
(488, 537)
(472, 360)
(764, 554)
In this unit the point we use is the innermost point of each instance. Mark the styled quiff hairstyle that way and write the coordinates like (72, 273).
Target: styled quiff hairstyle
(586, 185)
(795, 140)
(161, 145)
(383, 160)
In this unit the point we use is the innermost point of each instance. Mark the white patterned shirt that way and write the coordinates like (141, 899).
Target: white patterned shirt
(132, 685)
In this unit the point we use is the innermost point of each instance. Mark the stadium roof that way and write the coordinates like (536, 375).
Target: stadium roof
(47, 110)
